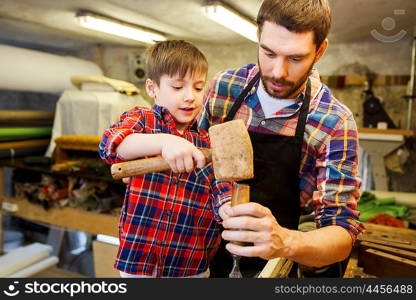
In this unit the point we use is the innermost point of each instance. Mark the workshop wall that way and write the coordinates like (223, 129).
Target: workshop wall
(353, 58)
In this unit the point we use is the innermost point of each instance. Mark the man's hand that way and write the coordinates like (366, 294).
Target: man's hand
(181, 154)
(256, 224)
(224, 211)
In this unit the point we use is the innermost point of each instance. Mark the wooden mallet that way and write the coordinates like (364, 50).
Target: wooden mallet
(231, 154)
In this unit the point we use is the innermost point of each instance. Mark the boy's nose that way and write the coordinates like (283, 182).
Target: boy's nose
(189, 95)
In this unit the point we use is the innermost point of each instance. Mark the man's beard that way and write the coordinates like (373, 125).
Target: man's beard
(294, 86)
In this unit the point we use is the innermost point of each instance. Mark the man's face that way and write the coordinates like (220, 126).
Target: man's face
(285, 59)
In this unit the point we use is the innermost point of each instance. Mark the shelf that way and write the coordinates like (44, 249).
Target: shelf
(92, 223)
(406, 133)
(18, 163)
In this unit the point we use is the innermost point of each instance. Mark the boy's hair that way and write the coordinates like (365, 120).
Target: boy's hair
(174, 57)
(298, 16)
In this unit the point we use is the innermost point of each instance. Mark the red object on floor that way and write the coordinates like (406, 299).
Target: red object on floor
(383, 219)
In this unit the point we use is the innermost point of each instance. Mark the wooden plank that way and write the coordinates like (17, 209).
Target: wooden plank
(386, 131)
(272, 268)
(351, 268)
(17, 116)
(390, 233)
(401, 245)
(387, 265)
(342, 81)
(287, 267)
(25, 144)
(92, 223)
(398, 252)
(354, 271)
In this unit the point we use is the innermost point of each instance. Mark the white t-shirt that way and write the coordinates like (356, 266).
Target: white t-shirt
(269, 104)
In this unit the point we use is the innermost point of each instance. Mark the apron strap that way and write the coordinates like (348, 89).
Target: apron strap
(231, 114)
(303, 112)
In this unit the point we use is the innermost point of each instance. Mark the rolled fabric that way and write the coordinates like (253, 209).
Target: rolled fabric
(23, 133)
(26, 117)
(23, 257)
(29, 70)
(35, 268)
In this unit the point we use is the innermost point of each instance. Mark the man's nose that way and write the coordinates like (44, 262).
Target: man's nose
(280, 68)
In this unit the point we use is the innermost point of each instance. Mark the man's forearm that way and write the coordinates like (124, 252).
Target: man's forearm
(319, 247)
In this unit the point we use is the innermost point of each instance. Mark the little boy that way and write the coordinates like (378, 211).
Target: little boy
(168, 224)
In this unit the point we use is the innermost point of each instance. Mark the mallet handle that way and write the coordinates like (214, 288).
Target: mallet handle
(147, 165)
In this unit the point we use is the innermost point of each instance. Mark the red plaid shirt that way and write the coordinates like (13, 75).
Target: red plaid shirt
(168, 220)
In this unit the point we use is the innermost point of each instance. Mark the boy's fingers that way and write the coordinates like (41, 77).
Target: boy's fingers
(189, 163)
(180, 166)
(199, 158)
(172, 165)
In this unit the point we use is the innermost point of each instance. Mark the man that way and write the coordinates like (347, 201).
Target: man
(305, 143)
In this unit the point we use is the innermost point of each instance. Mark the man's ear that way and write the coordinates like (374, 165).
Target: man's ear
(321, 50)
(150, 88)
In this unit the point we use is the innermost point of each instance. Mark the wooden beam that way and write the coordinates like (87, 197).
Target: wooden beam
(272, 268)
(395, 244)
(386, 265)
(386, 131)
(398, 252)
(389, 233)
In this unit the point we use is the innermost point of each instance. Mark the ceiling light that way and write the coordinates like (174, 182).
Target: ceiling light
(112, 26)
(230, 18)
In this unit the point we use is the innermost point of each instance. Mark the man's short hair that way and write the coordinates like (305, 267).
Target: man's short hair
(298, 16)
(174, 57)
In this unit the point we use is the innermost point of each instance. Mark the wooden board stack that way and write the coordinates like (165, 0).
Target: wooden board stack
(383, 251)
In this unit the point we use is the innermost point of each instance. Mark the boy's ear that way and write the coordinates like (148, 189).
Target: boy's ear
(150, 88)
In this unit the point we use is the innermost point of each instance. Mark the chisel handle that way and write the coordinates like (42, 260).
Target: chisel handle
(241, 195)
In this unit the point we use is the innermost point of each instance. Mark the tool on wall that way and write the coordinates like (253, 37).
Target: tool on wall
(374, 112)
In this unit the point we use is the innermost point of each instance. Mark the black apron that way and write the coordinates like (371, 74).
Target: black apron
(275, 184)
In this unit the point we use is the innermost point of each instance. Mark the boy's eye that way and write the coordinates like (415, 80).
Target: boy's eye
(177, 87)
(269, 54)
(199, 89)
(295, 59)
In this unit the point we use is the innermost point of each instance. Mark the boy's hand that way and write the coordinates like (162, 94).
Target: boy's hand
(181, 154)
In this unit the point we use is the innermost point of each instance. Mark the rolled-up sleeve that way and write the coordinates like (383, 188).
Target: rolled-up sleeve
(337, 192)
(130, 122)
(220, 194)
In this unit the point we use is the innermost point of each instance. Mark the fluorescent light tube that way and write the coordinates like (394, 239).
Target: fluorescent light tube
(115, 27)
(231, 19)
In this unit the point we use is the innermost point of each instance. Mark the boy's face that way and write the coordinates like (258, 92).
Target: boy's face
(183, 97)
